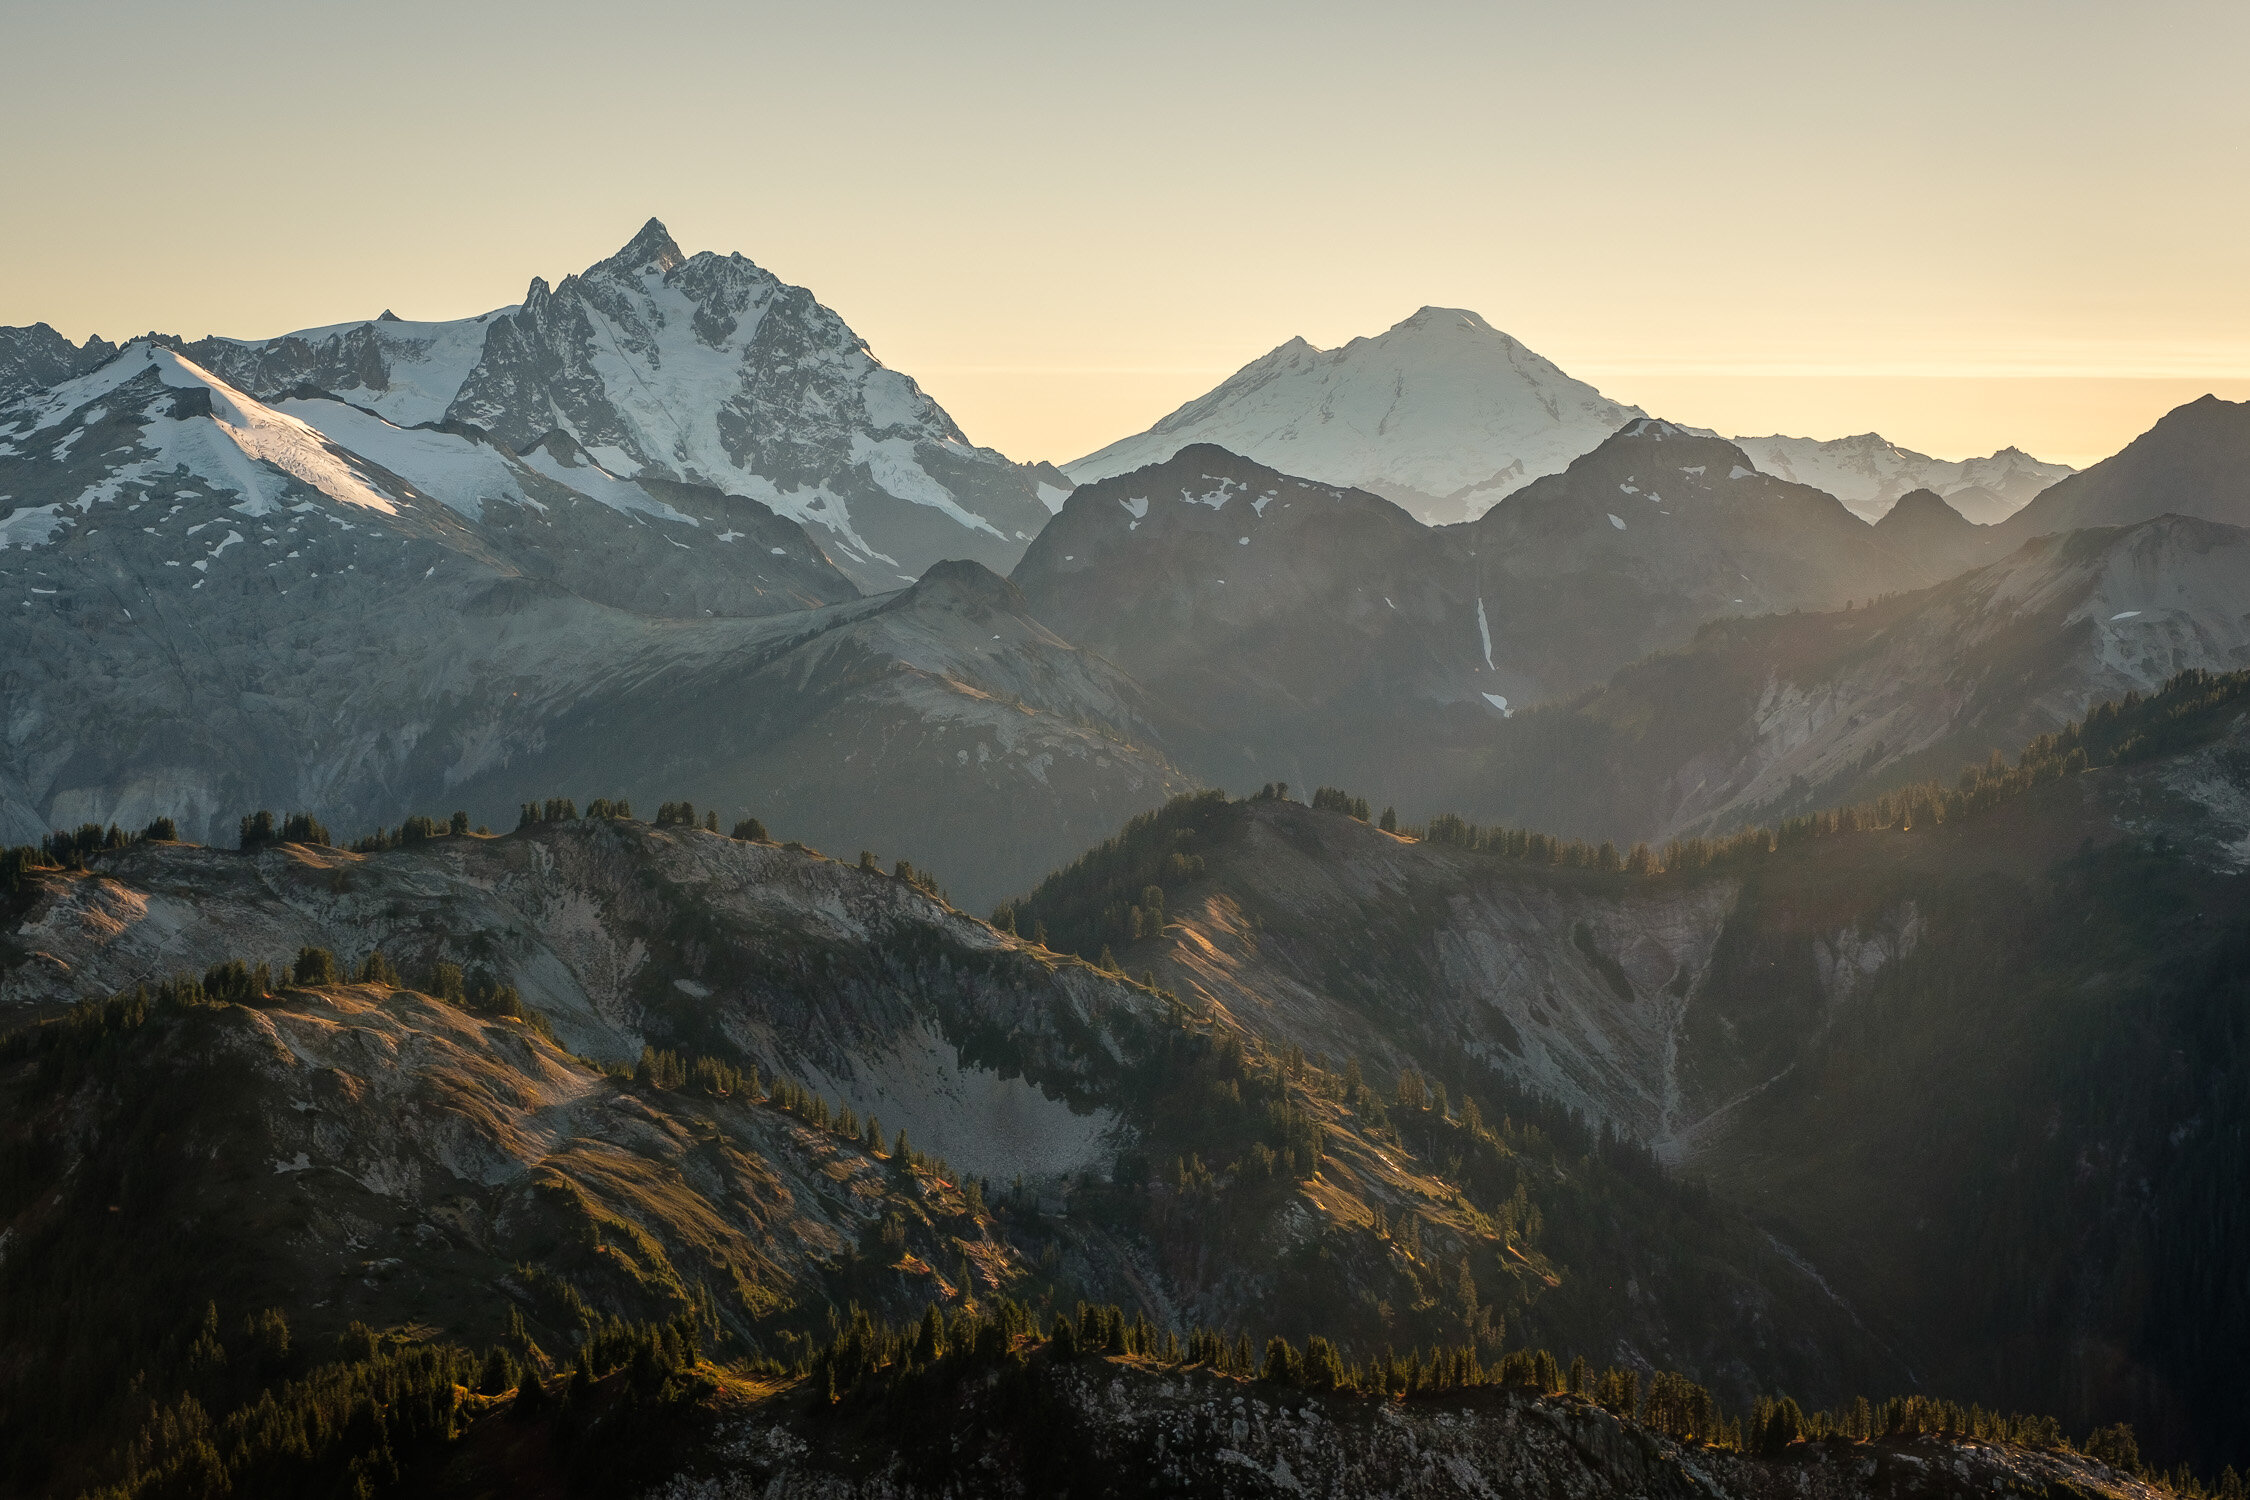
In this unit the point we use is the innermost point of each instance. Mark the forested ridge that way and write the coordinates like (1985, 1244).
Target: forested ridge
(1528, 1208)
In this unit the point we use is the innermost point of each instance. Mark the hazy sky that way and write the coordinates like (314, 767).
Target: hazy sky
(1963, 224)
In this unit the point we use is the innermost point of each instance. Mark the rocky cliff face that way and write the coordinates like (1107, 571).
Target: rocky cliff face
(704, 370)
(1936, 1063)
(401, 1123)
(1312, 633)
(1761, 719)
(218, 604)
(1121, 1428)
(31, 359)
(1791, 1031)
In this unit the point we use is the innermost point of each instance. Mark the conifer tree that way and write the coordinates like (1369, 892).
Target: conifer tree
(929, 1343)
(315, 967)
(498, 1372)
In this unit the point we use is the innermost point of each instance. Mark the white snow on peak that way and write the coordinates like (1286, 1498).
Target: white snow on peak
(243, 445)
(1869, 473)
(1443, 413)
(1500, 703)
(597, 483)
(1484, 632)
(1137, 506)
(1657, 430)
(1618, 522)
(456, 470)
(427, 361)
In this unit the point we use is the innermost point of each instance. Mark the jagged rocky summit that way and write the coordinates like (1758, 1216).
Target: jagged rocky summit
(703, 369)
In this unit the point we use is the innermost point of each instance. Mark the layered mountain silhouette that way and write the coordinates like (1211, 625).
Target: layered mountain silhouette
(1311, 632)
(1870, 474)
(1447, 415)
(1908, 1060)
(1776, 716)
(2191, 463)
(226, 603)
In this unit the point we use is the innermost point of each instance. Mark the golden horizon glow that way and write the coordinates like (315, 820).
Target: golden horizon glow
(1962, 226)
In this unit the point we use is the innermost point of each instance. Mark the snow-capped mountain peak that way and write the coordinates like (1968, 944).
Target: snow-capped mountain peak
(1869, 473)
(653, 249)
(1442, 413)
(703, 369)
(1657, 430)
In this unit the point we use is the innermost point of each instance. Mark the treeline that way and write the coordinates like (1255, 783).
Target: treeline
(1210, 1095)
(361, 1424)
(1336, 799)
(1116, 891)
(90, 1024)
(921, 880)
(868, 1358)
(70, 849)
(261, 829)
(791, 1097)
(419, 829)
(674, 1072)
(2187, 710)
(258, 830)
(659, 1068)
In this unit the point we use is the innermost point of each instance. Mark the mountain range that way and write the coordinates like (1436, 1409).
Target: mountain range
(1870, 474)
(1446, 416)
(703, 370)
(1770, 918)
(424, 614)
(1307, 632)
(1793, 1023)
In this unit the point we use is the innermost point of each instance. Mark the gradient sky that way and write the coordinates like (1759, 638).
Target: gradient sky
(1962, 224)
